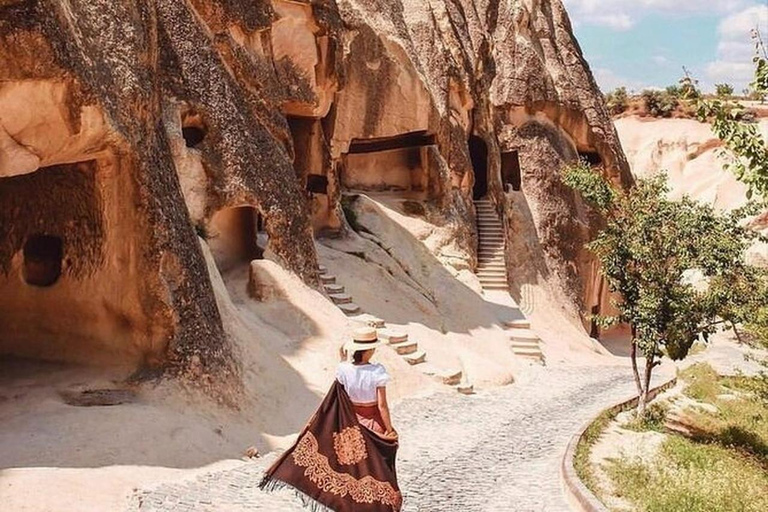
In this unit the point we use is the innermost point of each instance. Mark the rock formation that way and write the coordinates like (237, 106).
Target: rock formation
(128, 128)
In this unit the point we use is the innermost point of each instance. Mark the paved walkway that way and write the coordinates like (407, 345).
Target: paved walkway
(498, 450)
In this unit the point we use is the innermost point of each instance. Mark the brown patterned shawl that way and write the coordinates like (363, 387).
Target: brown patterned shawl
(337, 463)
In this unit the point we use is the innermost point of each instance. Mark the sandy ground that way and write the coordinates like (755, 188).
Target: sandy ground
(55, 456)
(689, 153)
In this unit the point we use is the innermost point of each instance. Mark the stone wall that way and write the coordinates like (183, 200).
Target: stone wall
(193, 107)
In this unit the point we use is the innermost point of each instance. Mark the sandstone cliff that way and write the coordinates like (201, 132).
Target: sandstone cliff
(129, 128)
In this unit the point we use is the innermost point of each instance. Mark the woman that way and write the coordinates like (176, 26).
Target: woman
(344, 459)
(365, 383)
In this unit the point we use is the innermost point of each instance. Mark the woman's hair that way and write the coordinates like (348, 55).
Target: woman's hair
(357, 356)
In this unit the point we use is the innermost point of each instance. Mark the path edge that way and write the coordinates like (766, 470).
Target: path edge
(578, 496)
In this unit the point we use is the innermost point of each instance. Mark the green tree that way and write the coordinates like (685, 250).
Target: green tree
(689, 86)
(724, 91)
(659, 103)
(649, 247)
(617, 101)
(746, 150)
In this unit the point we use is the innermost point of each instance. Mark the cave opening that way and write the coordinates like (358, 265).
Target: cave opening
(591, 157)
(399, 164)
(317, 184)
(236, 237)
(193, 135)
(42, 260)
(478, 153)
(510, 171)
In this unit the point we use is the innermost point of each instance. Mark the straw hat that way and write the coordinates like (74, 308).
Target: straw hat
(364, 338)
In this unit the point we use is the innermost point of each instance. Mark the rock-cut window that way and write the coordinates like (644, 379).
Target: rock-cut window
(42, 260)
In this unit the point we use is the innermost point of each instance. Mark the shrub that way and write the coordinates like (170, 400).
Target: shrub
(617, 101)
(653, 418)
(659, 103)
(724, 90)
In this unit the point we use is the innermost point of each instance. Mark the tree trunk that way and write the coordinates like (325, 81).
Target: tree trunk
(641, 392)
(736, 332)
(649, 365)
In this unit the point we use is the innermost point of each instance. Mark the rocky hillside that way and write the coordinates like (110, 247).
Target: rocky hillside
(133, 131)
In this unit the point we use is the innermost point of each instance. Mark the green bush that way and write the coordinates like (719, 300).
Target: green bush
(702, 382)
(659, 103)
(653, 418)
(724, 90)
(617, 101)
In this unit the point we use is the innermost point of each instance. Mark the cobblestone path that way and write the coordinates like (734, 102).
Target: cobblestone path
(498, 450)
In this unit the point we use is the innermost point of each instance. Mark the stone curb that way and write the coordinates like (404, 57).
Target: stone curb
(578, 496)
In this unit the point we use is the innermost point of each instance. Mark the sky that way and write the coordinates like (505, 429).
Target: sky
(645, 43)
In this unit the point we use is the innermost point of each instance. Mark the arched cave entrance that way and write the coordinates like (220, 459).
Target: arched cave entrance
(312, 164)
(592, 158)
(193, 129)
(511, 174)
(236, 237)
(399, 164)
(478, 153)
(42, 260)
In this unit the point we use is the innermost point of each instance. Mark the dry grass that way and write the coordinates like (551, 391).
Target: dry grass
(690, 477)
(722, 465)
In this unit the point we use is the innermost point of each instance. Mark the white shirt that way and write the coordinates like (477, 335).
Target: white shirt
(361, 381)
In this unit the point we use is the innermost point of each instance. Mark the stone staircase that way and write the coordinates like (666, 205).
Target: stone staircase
(525, 342)
(397, 340)
(491, 267)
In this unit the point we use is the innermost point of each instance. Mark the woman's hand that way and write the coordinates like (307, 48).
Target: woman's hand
(342, 353)
(392, 435)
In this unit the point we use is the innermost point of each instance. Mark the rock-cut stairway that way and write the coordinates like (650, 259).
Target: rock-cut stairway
(491, 267)
(397, 340)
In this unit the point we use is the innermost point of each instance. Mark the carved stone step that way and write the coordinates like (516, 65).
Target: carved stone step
(492, 266)
(327, 279)
(340, 298)
(528, 352)
(334, 288)
(447, 377)
(369, 320)
(495, 287)
(520, 345)
(350, 308)
(405, 348)
(518, 324)
(392, 336)
(321, 269)
(524, 335)
(487, 281)
(415, 358)
(465, 389)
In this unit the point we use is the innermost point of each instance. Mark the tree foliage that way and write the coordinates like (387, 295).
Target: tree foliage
(648, 251)
(724, 91)
(659, 103)
(617, 101)
(747, 153)
(689, 86)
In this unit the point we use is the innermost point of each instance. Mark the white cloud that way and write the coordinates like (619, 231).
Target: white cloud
(735, 49)
(661, 60)
(608, 81)
(623, 14)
